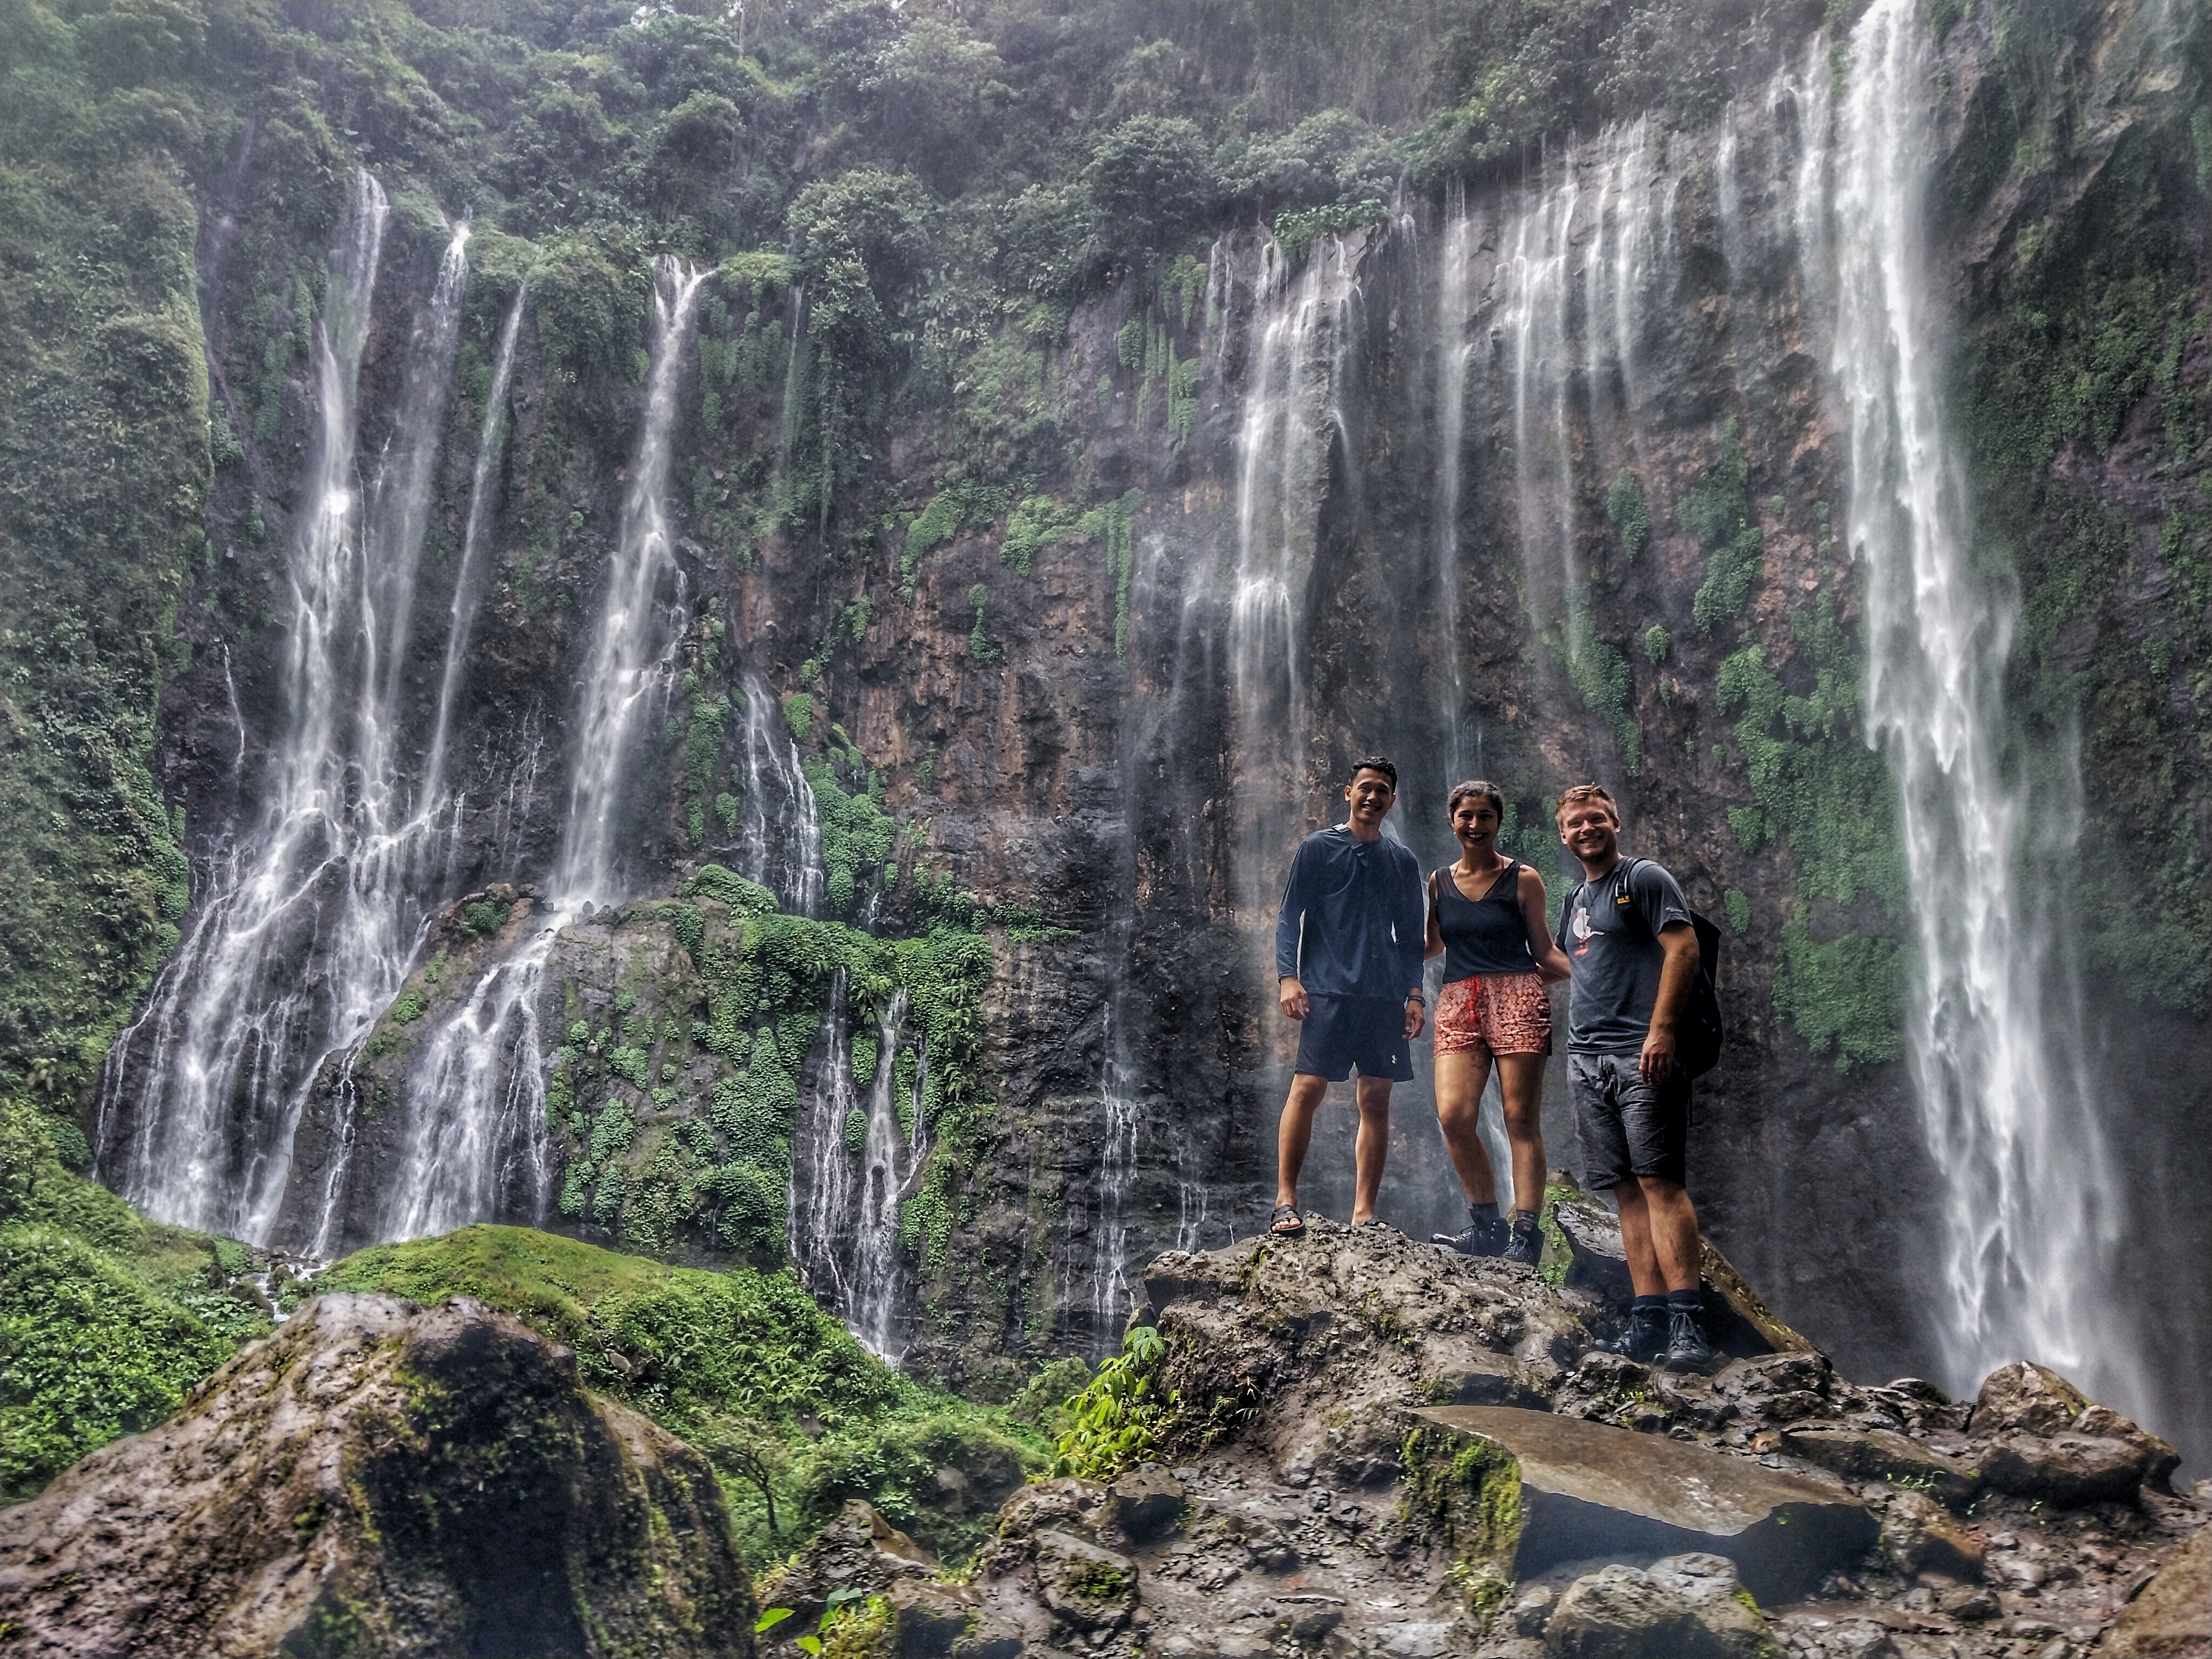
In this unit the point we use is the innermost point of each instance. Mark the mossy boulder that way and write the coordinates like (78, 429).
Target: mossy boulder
(389, 1479)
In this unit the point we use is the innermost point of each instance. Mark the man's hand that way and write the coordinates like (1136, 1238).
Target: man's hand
(1657, 1061)
(1294, 1006)
(1413, 1012)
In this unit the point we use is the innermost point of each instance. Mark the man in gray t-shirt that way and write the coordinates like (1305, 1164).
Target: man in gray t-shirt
(1628, 937)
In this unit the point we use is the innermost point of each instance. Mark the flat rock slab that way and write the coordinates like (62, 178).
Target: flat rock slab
(1589, 1490)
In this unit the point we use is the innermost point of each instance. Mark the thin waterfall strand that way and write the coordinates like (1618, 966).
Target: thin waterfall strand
(491, 442)
(628, 660)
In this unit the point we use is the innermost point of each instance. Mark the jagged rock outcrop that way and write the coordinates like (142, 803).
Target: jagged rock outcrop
(1308, 1495)
(380, 1479)
(2171, 1616)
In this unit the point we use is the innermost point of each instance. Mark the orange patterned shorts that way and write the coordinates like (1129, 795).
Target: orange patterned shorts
(1495, 1013)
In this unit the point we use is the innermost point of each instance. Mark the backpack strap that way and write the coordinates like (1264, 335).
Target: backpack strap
(1635, 910)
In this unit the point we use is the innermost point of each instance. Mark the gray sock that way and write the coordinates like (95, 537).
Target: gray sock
(1483, 1211)
(1524, 1221)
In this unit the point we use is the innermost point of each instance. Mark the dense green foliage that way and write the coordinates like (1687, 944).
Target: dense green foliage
(105, 1320)
(104, 463)
(675, 1085)
(1116, 1422)
(1818, 789)
(796, 1415)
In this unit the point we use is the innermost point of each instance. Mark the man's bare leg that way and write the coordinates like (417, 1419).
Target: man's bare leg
(1372, 1147)
(1659, 1235)
(1295, 1132)
(1461, 1078)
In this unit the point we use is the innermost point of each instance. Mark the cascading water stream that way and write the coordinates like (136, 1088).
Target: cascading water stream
(865, 1158)
(491, 442)
(1454, 350)
(311, 924)
(2030, 1209)
(1290, 418)
(476, 1143)
(628, 663)
(1109, 1232)
(780, 827)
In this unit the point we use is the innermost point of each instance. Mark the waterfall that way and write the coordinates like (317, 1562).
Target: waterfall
(780, 839)
(310, 924)
(793, 403)
(2029, 1208)
(845, 1199)
(476, 1143)
(491, 440)
(1109, 1232)
(1453, 351)
(1534, 290)
(628, 663)
(1290, 415)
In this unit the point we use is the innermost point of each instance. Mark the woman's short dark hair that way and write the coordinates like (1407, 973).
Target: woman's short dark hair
(1376, 763)
(1480, 790)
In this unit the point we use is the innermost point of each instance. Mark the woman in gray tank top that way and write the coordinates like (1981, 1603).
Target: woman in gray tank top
(1486, 919)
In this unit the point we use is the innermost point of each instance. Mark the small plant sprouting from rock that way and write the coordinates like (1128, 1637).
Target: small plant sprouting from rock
(1120, 1416)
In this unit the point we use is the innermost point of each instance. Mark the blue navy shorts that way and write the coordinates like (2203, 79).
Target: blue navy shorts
(1338, 1033)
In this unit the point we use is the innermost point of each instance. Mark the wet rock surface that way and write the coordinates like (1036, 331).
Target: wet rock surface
(377, 1479)
(1312, 1495)
(1587, 1488)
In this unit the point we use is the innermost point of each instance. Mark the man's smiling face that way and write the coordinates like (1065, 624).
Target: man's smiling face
(1588, 830)
(1372, 796)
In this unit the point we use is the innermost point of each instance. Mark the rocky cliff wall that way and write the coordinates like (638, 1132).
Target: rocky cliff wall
(1046, 615)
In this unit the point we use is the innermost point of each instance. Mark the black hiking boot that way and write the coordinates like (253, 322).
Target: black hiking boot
(1643, 1338)
(1482, 1236)
(1527, 1244)
(1687, 1350)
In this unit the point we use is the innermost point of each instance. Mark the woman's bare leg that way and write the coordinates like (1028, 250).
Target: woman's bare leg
(1521, 1082)
(1460, 1081)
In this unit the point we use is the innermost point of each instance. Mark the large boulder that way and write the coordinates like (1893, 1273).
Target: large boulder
(2171, 1618)
(1684, 1607)
(2049, 1442)
(377, 1479)
(1313, 1344)
(858, 1551)
(1586, 1489)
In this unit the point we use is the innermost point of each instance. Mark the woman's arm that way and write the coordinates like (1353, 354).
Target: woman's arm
(1551, 961)
(1435, 947)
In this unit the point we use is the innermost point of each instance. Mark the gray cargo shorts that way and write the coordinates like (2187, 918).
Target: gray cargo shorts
(1628, 1128)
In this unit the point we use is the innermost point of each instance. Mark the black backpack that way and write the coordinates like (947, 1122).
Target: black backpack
(1697, 1038)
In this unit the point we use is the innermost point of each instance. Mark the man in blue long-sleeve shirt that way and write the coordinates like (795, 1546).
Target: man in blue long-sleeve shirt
(1348, 947)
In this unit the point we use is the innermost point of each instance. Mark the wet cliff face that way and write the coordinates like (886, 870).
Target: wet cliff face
(989, 653)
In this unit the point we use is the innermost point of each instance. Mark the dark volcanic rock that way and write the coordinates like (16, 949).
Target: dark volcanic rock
(1884, 1454)
(858, 1550)
(1918, 1534)
(2172, 1619)
(376, 1479)
(1683, 1607)
(2048, 1442)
